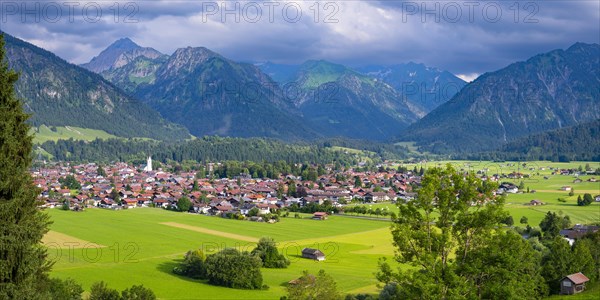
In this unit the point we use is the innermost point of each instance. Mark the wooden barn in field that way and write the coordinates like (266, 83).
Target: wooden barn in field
(311, 253)
(319, 216)
(573, 284)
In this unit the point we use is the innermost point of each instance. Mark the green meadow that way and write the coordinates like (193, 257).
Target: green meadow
(136, 247)
(44, 134)
(547, 188)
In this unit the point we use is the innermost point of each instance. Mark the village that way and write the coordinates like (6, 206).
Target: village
(125, 186)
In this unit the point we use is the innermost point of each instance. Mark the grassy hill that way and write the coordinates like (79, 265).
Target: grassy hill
(44, 133)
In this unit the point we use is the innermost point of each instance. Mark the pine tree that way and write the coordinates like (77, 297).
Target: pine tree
(23, 264)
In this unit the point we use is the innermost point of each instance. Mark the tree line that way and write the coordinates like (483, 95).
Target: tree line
(213, 148)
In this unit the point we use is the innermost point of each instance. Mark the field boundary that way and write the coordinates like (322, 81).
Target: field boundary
(64, 241)
(212, 232)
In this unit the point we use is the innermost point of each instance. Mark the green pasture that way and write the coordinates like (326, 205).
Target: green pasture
(44, 134)
(135, 248)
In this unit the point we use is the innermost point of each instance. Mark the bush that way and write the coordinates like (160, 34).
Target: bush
(266, 249)
(193, 265)
(100, 291)
(64, 289)
(234, 269)
(184, 204)
(138, 292)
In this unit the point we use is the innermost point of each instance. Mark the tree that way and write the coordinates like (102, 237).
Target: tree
(580, 201)
(357, 182)
(253, 212)
(322, 287)
(64, 289)
(101, 171)
(587, 199)
(451, 217)
(552, 224)
(583, 260)
(509, 221)
(184, 204)
(100, 291)
(506, 267)
(23, 264)
(266, 249)
(234, 269)
(70, 182)
(193, 265)
(291, 189)
(195, 187)
(524, 220)
(558, 263)
(138, 292)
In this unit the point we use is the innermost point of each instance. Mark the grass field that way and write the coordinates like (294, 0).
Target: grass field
(547, 190)
(43, 134)
(140, 249)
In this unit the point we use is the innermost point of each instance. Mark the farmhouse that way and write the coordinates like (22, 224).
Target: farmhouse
(507, 187)
(573, 284)
(535, 202)
(578, 231)
(376, 197)
(311, 253)
(319, 216)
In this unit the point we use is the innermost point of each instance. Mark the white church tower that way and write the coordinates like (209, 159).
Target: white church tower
(148, 167)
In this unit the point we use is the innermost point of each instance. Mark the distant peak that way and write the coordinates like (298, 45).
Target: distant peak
(195, 50)
(124, 43)
(581, 45)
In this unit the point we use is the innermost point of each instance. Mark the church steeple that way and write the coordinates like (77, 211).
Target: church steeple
(148, 167)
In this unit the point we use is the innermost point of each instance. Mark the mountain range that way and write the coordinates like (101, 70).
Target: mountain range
(58, 93)
(548, 91)
(196, 90)
(210, 94)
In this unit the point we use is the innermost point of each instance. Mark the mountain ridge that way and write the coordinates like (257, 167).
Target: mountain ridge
(548, 91)
(74, 96)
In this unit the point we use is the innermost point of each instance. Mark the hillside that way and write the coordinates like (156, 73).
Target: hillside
(424, 86)
(580, 142)
(212, 95)
(58, 93)
(338, 101)
(549, 91)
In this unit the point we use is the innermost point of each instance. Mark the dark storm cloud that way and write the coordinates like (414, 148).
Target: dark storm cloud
(463, 37)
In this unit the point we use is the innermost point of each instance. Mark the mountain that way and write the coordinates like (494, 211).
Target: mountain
(58, 93)
(579, 142)
(212, 95)
(423, 86)
(279, 72)
(118, 54)
(138, 71)
(338, 101)
(548, 91)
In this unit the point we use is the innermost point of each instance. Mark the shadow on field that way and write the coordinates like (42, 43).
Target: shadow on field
(167, 267)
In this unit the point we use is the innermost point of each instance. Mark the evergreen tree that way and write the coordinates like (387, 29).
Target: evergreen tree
(23, 265)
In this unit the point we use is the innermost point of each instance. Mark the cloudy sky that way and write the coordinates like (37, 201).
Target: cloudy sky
(463, 37)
